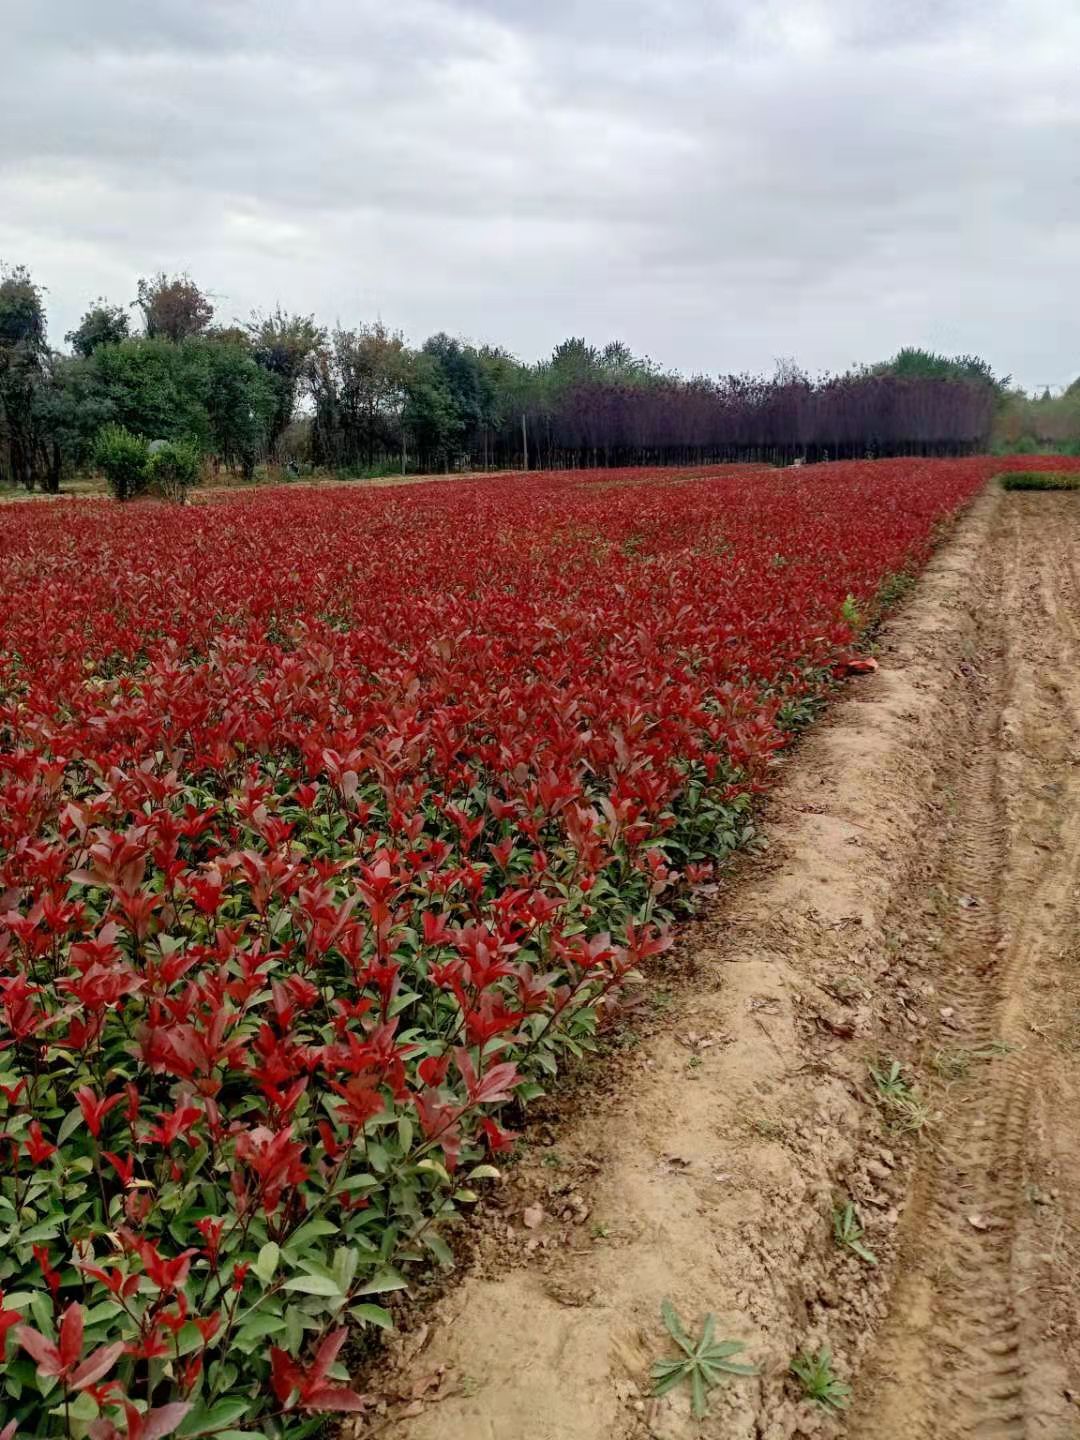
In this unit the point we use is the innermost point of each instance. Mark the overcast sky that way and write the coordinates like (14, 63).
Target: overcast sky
(717, 182)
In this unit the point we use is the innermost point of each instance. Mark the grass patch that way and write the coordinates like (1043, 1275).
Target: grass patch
(1040, 480)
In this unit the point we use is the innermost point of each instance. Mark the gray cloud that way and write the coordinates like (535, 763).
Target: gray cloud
(718, 183)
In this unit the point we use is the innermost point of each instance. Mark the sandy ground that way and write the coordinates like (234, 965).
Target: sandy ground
(918, 903)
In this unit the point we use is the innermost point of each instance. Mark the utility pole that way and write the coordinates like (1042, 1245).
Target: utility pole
(524, 443)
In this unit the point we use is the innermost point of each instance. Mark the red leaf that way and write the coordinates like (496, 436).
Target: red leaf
(42, 1350)
(164, 1420)
(98, 1363)
(71, 1336)
(333, 1399)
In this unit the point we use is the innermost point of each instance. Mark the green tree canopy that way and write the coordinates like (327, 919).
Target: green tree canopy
(103, 324)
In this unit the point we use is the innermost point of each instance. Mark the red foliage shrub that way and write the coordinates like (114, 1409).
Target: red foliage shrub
(331, 823)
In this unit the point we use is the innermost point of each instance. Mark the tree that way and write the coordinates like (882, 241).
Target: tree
(69, 409)
(283, 344)
(574, 360)
(239, 399)
(173, 307)
(504, 392)
(206, 390)
(911, 362)
(23, 352)
(431, 418)
(150, 389)
(359, 383)
(103, 324)
(461, 374)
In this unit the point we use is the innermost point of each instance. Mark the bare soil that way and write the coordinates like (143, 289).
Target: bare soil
(918, 903)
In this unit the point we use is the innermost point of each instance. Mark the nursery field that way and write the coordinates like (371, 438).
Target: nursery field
(334, 825)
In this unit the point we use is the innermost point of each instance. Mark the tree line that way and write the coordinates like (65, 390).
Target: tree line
(1040, 423)
(281, 387)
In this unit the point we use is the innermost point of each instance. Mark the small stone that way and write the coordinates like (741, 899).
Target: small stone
(982, 1222)
(532, 1216)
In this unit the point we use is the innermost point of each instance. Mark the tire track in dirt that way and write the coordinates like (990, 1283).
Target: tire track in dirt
(958, 1356)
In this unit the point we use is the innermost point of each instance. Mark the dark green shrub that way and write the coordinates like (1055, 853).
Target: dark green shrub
(173, 468)
(1041, 480)
(123, 458)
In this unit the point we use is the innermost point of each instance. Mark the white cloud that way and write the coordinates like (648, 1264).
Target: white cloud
(716, 183)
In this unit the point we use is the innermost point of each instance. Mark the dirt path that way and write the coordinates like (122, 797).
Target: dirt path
(919, 904)
(989, 1229)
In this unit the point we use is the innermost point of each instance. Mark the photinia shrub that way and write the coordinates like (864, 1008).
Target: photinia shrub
(332, 825)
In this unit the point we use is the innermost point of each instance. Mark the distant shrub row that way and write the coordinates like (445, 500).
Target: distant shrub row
(1040, 480)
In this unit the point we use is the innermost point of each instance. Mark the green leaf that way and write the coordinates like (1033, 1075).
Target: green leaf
(674, 1327)
(267, 1262)
(313, 1230)
(724, 1348)
(83, 1407)
(385, 1280)
(346, 1260)
(434, 1167)
(46, 1230)
(373, 1315)
(42, 1312)
(294, 1329)
(438, 1247)
(250, 1332)
(215, 1417)
(21, 1298)
(362, 1181)
(312, 1285)
(700, 1400)
(189, 1339)
(379, 1159)
(315, 1267)
(669, 1379)
(70, 1123)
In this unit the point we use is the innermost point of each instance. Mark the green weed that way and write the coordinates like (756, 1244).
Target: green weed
(703, 1363)
(902, 1103)
(893, 589)
(818, 1381)
(851, 612)
(848, 1232)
